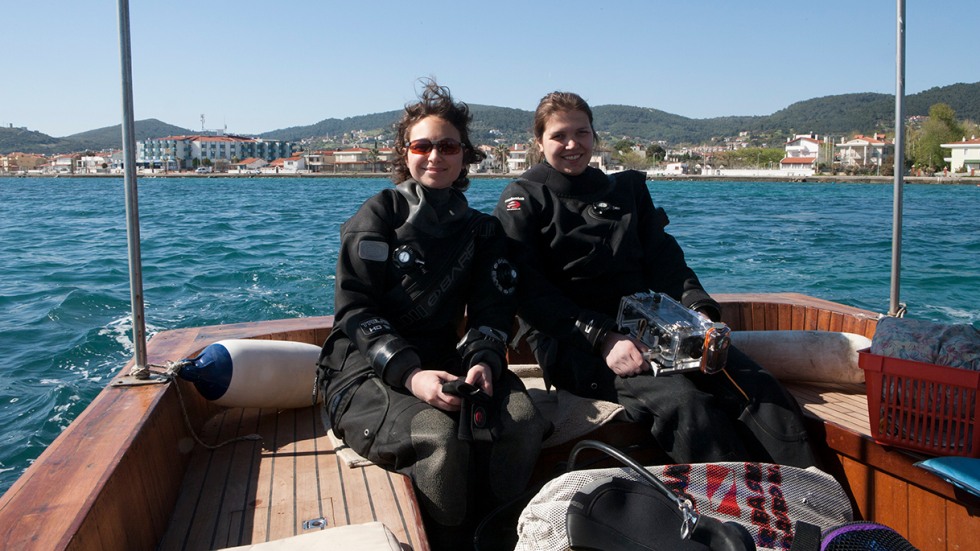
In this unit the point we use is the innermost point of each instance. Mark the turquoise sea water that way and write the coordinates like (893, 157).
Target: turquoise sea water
(231, 250)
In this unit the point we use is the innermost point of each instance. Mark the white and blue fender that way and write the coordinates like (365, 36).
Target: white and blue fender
(254, 373)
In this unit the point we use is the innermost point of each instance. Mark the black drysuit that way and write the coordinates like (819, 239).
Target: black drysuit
(413, 261)
(582, 243)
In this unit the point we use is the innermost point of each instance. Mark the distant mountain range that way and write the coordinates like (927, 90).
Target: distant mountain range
(844, 114)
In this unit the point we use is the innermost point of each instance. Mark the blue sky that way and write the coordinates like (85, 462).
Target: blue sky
(252, 66)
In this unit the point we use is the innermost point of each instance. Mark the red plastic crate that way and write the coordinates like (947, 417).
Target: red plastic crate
(920, 406)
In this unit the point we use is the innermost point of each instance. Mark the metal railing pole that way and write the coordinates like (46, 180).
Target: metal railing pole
(895, 307)
(140, 369)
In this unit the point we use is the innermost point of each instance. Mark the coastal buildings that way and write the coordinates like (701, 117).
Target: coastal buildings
(363, 159)
(62, 164)
(185, 152)
(294, 164)
(802, 155)
(15, 162)
(320, 161)
(517, 158)
(675, 169)
(98, 163)
(798, 166)
(31, 163)
(803, 146)
(492, 161)
(864, 152)
(965, 156)
(250, 165)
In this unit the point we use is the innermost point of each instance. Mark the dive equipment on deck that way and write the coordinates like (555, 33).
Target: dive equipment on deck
(679, 339)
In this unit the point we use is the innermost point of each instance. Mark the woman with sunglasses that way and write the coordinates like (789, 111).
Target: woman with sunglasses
(582, 241)
(413, 260)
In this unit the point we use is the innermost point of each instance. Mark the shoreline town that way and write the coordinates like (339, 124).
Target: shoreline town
(760, 177)
(804, 156)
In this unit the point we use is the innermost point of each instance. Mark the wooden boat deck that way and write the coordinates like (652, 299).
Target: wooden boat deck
(130, 456)
(258, 491)
(883, 483)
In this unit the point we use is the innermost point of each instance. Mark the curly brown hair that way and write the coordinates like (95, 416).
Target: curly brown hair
(435, 101)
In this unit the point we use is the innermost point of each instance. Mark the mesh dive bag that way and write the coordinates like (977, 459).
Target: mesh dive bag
(763, 498)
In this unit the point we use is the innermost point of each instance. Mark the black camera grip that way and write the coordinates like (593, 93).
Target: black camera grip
(459, 387)
(475, 415)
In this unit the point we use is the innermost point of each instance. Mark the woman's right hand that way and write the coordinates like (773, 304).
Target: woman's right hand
(426, 385)
(624, 355)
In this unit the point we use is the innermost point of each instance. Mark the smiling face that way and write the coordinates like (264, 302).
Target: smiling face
(435, 169)
(567, 141)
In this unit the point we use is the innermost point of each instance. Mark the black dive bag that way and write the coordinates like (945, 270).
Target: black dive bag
(619, 514)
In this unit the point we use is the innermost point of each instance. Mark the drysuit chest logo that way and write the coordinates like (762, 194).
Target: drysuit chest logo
(454, 272)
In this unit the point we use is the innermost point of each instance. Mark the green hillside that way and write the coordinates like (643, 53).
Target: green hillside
(843, 114)
(489, 122)
(110, 137)
(29, 141)
(144, 130)
(335, 127)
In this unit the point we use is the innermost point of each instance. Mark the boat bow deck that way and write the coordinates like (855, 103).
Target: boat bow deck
(256, 491)
(112, 479)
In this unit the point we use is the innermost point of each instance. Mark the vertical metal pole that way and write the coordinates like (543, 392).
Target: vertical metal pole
(895, 307)
(132, 209)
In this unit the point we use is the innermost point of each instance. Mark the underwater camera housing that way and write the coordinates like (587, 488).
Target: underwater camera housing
(679, 339)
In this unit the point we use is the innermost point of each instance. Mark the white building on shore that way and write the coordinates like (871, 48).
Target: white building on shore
(965, 156)
(864, 151)
(802, 156)
(181, 152)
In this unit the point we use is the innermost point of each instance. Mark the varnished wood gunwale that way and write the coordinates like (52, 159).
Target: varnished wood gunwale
(112, 477)
(91, 475)
(793, 311)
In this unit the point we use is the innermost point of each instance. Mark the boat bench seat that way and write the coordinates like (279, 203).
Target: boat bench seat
(572, 417)
(819, 368)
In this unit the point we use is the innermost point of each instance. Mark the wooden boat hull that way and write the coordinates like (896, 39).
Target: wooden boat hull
(118, 476)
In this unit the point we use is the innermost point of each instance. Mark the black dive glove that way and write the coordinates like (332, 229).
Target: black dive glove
(594, 327)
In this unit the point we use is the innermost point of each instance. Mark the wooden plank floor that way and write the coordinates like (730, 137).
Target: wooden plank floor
(842, 404)
(256, 491)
